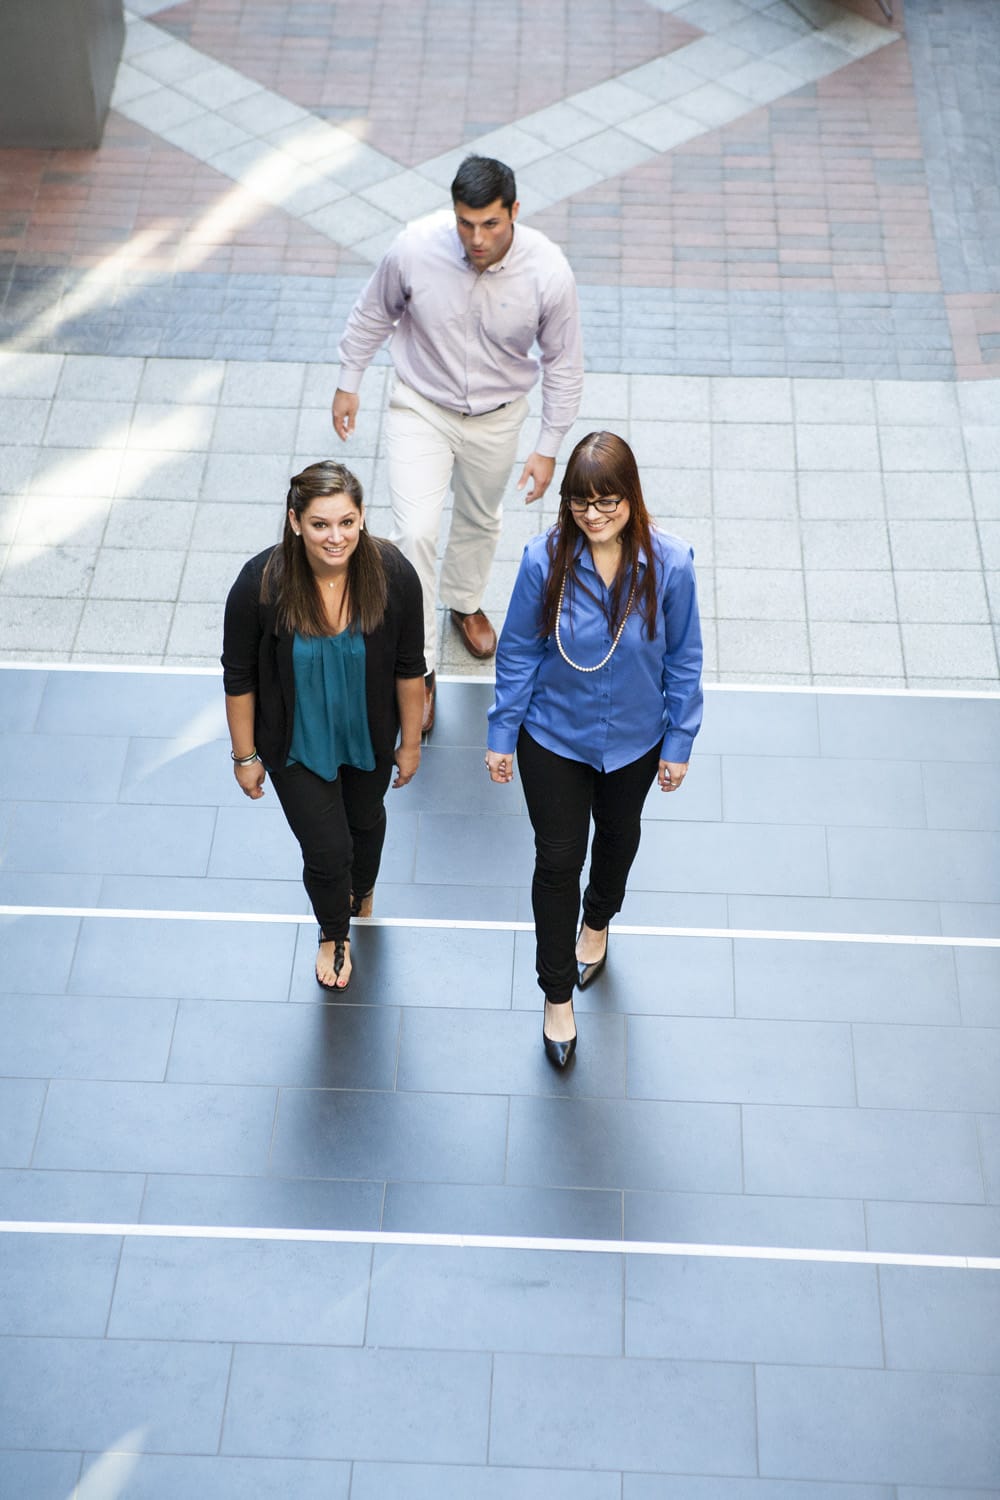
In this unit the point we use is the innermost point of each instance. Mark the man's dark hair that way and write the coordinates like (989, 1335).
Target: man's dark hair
(481, 180)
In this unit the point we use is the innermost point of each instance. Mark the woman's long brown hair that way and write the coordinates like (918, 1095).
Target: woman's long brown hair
(602, 463)
(291, 583)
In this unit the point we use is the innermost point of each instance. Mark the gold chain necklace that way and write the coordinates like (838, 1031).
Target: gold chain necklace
(614, 644)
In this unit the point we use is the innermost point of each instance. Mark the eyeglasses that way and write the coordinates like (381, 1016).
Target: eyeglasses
(605, 504)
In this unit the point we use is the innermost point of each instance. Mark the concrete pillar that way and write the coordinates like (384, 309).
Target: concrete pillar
(58, 60)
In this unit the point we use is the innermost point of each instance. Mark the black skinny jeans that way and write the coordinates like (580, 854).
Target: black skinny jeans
(340, 826)
(562, 796)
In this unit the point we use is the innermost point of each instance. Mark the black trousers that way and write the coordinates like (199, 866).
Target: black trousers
(340, 826)
(562, 796)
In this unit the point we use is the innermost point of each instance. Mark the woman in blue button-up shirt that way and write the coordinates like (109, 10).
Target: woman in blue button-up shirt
(598, 691)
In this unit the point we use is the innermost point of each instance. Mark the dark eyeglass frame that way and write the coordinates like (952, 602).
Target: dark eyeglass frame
(605, 505)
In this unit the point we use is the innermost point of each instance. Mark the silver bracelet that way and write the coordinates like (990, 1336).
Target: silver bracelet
(244, 760)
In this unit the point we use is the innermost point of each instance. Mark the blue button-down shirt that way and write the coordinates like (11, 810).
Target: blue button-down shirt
(649, 693)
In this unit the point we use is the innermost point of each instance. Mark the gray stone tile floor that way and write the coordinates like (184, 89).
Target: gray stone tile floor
(826, 1105)
(734, 1089)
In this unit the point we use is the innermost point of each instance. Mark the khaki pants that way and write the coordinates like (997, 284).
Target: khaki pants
(429, 448)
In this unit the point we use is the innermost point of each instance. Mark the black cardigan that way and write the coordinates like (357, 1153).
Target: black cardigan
(257, 656)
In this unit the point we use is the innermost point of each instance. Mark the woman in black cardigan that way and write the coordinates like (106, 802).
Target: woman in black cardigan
(323, 669)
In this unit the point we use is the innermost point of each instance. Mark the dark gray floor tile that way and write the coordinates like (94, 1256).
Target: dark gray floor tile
(557, 1213)
(202, 893)
(37, 953)
(414, 1137)
(979, 985)
(253, 838)
(21, 690)
(753, 1311)
(305, 1046)
(891, 982)
(54, 1285)
(79, 1037)
(453, 779)
(83, 1197)
(412, 966)
(941, 1319)
(241, 1291)
(700, 800)
(971, 918)
(35, 767)
(183, 960)
(471, 849)
(459, 1482)
(176, 772)
(20, 889)
(963, 796)
(853, 793)
(644, 975)
(660, 909)
(663, 1487)
(404, 1405)
(889, 1427)
(457, 903)
(966, 729)
(21, 1101)
(739, 1219)
(934, 1228)
(740, 1062)
(611, 1143)
(915, 865)
(460, 714)
(126, 703)
(740, 723)
(441, 1050)
(43, 1476)
(641, 1414)
(989, 1137)
(164, 1127)
(863, 1153)
(514, 1300)
(761, 859)
(904, 1492)
(254, 1201)
(154, 1476)
(834, 914)
(928, 1067)
(99, 838)
(115, 1393)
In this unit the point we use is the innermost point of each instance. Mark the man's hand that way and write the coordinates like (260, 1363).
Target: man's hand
(345, 409)
(539, 470)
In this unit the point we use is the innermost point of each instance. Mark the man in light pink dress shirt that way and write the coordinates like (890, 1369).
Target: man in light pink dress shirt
(465, 299)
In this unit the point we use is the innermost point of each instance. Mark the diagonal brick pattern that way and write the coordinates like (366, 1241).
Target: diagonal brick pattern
(416, 78)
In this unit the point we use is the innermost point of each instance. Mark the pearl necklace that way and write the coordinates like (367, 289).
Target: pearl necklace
(614, 644)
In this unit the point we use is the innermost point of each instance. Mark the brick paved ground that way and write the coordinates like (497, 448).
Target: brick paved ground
(747, 189)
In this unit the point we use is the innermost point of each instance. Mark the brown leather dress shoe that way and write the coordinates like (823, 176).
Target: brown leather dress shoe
(430, 688)
(477, 633)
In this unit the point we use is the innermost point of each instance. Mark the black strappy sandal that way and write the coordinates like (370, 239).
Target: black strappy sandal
(361, 906)
(339, 954)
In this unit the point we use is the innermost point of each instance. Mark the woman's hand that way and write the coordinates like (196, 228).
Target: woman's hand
(251, 778)
(500, 767)
(671, 774)
(407, 760)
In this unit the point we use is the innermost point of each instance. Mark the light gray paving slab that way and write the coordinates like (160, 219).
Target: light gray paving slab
(846, 982)
(838, 543)
(949, 545)
(949, 653)
(743, 1219)
(495, 1300)
(833, 446)
(924, 1067)
(755, 1311)
(933, 1228)
(160, 475)
(764, 494)
(934, 864)
(775, 1062)
(331, 1403)
(763, 650)
(927, 497)
(849, 791)
(848, 595)
(628, 1414)
(912, 1155)
(878, 1426)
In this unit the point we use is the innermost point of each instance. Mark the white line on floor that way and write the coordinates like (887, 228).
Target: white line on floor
(820, 689)
(622, 929)
(505, 1242)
